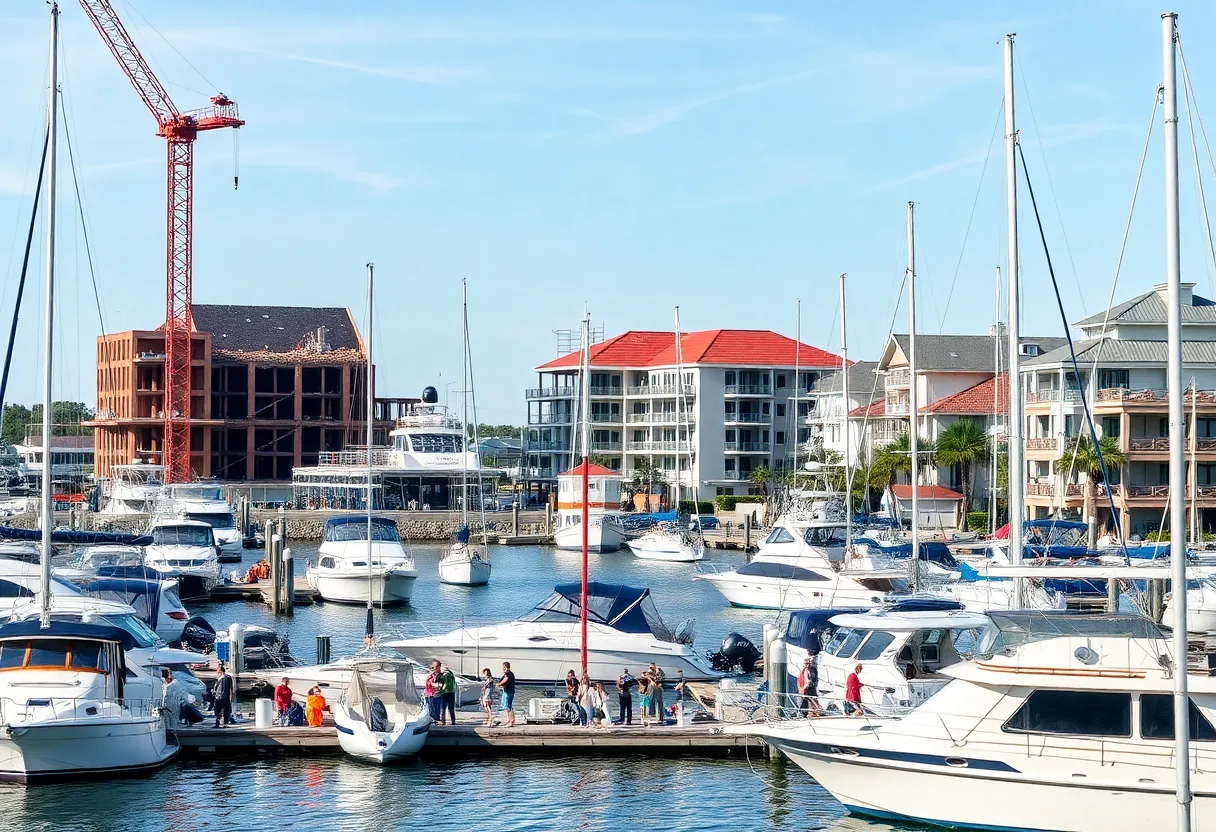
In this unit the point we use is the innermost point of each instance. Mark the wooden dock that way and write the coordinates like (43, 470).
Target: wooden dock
(260, 590)
(473, 737)
(524, 539)
(733, 539)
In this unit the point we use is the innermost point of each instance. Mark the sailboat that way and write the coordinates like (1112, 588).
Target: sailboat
(72, 706)
(467, 563)
(670, 542)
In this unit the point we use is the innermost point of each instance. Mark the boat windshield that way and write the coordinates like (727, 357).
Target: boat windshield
(182, 536)
(198, 492)
(214, 519)
(133, 624)
(824, 535)
(624, 608)
(356, 529)
(1007, 630)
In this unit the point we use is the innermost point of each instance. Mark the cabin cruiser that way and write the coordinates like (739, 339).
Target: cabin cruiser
(667, 543)
(132, 489)
(624, 630)
(803, 584)
(1200, 605)
(1060, 722)
(88, 560)
(73, 706)
(185, 550)
(379, 716)
(205, 503)
(604, 534)
(901, 648)
(156, 601)
(342, 572)
(333, 678)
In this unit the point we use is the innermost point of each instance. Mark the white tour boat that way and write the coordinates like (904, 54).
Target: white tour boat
(343, 572)
(380, 716)
(333, 678)
(624, 630)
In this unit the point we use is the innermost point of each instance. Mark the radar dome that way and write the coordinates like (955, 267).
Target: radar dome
(430, 395)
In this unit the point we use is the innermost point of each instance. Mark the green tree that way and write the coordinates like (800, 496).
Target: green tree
(16, 417)
(646, 475)
(601, 460)
(895, 458)
(761, 476)
(65, 418)
(963, 443)
(1087, 462)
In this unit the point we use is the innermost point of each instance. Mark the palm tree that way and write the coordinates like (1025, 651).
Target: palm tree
(895, 458)
(963, 443)
(1087, 462)
(646, 475)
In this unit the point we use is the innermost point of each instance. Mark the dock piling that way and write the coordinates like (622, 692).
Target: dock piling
(747, 535)
(289, 583)
(515, 519)
(548, 518)
(322, 649)
(276, 566)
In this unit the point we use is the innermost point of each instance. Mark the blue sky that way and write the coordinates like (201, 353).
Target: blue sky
(730, 158)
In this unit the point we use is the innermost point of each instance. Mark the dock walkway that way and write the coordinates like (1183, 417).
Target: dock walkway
(259, 591)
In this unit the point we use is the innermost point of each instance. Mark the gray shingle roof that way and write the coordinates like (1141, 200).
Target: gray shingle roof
(278, 329)
(962, 352)
(861, 378)
(1121, 351)
(1149, 308)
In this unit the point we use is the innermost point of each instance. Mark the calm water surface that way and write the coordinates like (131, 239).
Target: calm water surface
(523, 792)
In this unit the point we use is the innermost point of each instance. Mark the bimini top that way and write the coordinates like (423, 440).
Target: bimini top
(1012, 628)
(354, 527)
(67, 630)
(625, 608)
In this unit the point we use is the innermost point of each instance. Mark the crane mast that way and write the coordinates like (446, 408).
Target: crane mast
(179, 129)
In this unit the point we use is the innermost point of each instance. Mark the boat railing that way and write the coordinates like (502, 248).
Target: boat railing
(35, 710)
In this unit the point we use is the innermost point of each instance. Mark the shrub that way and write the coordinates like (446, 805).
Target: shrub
(977, 521)
(727, 502)
(701, 507)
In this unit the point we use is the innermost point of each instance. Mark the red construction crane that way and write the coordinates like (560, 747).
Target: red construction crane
(179, 130)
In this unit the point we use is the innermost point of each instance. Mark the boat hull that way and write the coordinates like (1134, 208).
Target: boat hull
(601, 537)
(77, 749)
(777, 594)
(673, 552)
(362, 743)
(464, 571)
(395, 588)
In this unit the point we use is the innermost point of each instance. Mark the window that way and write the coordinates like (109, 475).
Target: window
(1157, 719)
(86, 655)
(779, 535)
(12, 654)
(780, 383)
(780, 440)
(780, 410)
(436, 443)
(8, 589)
(1113, 378)
(824, 535)
(1110, 426)
(182, 536)
(875, 644)
(850, 643)
(48, 653)
(1074, 712)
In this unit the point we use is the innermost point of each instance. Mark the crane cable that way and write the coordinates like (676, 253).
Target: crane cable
(88, 248)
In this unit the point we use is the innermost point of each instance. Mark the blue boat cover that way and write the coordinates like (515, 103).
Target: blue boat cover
(76, 538)
(625, 608)
(68, 629)
(461, 534)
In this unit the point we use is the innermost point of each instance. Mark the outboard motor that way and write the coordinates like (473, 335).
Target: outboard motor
(735, 651)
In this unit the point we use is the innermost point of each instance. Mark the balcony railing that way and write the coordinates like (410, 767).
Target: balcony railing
(748, 419)
(548, 418)
(747, 447)
(610, 418)
(614, 447)
(605, 390)
(1043, 443)
(547, 447)
(748, 390)
(661, 390)
(538, 472)
(896, 408)
(653, 445)
(1048, 489)
(551, 392)
(898, 378)
(380, 456)
(1148, 443)
(1046, 395)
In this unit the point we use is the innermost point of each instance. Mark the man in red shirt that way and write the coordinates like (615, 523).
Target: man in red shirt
(852, 693)
(282, 701)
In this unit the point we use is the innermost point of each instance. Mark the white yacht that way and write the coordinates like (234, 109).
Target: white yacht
(1060, 722)
(466, 562)
(72, 706)
(205, 503)
(132, 489)
(669, 544)
(624, 630)
(804, 584)
(343, 573)
(379, 716)
(185, 550)
(603, 505)
(87, 560)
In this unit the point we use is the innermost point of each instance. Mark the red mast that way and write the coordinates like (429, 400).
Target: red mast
(586, 408)
(179, 131)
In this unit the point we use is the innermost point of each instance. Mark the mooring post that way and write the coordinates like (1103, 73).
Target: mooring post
(747, 534)
(515, 519)
(289, 583)
(322, 649)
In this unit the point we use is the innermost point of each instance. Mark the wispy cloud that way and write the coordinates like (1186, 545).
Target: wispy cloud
(417, 75)
(324, 162)
(664, 116)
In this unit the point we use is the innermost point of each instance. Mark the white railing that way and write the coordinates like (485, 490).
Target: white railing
(688, 390)
(898, 378)
(748, 390)
(358, 456)
(551, 392)
(654, 445)
(747, 447)
(548, 418)
(748, 418)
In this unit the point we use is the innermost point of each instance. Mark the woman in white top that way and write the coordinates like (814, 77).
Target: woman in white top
(587, 701)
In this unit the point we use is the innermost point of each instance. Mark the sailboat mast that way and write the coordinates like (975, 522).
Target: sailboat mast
(1182, 757)
(464, 402)
(481, 495)
(1017, 468)
(996, 399)
(797, 381)
(586, 465)
(913, 406)
(48, 518)
(367, 382)
(848, 448)
(679, 402)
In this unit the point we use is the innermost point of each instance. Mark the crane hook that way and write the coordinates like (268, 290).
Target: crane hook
(236, 159)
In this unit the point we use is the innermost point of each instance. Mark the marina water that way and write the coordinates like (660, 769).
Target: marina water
(499, 791)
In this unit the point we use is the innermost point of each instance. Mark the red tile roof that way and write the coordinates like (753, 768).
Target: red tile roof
(976, 400)
(929, 492)
(593, 470)
(875, 408)
(747, 347)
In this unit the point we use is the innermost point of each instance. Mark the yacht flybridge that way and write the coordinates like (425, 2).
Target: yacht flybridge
(132, 489)
(624, 630)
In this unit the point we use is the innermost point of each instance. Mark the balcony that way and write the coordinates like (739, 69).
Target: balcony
(896, 408)
(898, 378)
(737, 476)
(688, 390)
(610, 447)
(747, 447)
(1048, 489)
(748, 390)
(1038, 396)
(606, 418)
(547, 447)
(537, 472)
(548, 418)
(551, 392)
(748, 419)
(652, 445)
(1043, 443)
(605, 390)
(356, 456)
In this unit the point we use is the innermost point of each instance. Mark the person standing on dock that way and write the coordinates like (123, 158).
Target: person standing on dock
(282, 701)
(487, 694)
(447, 695)
(808, 687)
(571, 685)
(224, 694)
(658, 677)
(507, 685)
(645, 697)
(430, 692)
(586, 702)
(624, 692)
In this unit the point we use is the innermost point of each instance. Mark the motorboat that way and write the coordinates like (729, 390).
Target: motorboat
(465, 563)
(185, 550)
(379, 716)
(803, 583)
(604, 534)
(667, 543)
(204, 502)
(333, 678)
(902, 649)
(1061, 722)
(1200, 605)
(343, 572)
(156, 601)
(88, 560)
(624, 630)
(132, 489)
(72, 706)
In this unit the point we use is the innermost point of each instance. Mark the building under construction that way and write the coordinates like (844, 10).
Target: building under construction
(271, 388)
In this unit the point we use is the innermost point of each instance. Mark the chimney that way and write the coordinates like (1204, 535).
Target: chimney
(1187, 293)
(322, 334)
